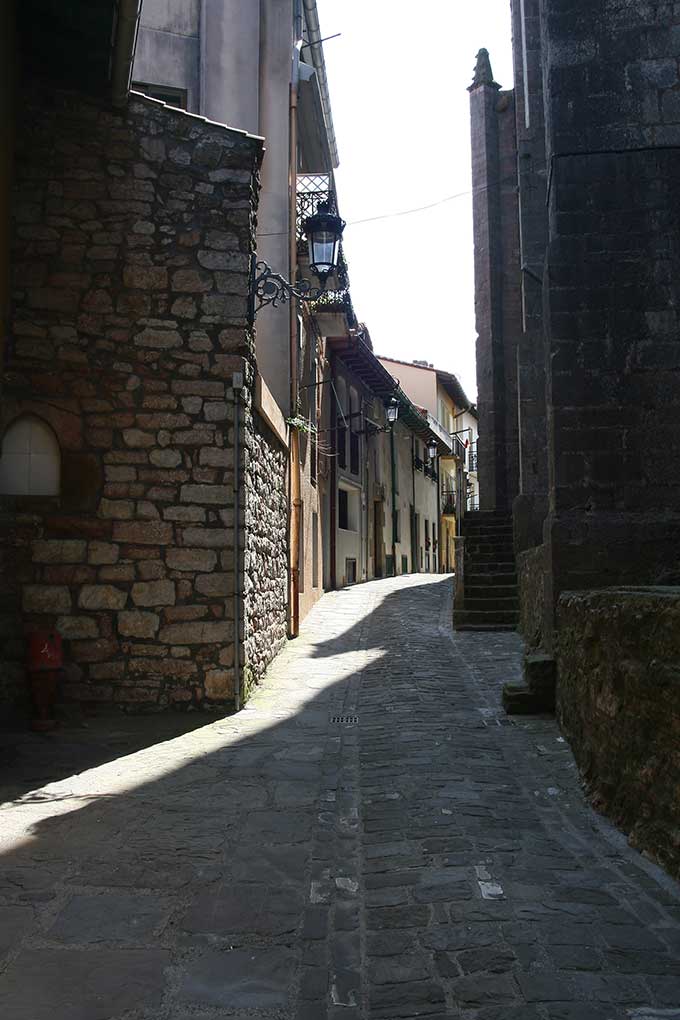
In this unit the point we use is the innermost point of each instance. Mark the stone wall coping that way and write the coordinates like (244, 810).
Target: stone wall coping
(671, 592)
(258, 140)
(270, 410)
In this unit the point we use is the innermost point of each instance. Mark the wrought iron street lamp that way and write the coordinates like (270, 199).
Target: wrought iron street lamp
(324, 233)
(392, 410)
(432, 449)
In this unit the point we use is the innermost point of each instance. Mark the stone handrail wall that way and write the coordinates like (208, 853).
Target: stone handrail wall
(618, 660)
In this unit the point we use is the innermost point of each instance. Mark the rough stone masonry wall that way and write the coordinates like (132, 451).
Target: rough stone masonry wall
(266, 550)
(131, 249)
(618, 659)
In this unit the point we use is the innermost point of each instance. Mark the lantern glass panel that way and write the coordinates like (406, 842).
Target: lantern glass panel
(323, 250)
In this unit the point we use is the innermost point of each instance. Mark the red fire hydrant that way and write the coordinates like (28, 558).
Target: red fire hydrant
(45, 661)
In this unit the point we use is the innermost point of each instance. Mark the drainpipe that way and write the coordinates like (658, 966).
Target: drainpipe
(333, 498)
(394, 501)
(415, 566)
(295, 501)
(438, 465)
(237, 384)
(128, 13)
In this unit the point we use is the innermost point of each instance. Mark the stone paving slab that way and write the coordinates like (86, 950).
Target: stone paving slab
(370, 838)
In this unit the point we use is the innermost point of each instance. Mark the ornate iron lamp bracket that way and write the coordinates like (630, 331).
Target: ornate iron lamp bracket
(270, 288)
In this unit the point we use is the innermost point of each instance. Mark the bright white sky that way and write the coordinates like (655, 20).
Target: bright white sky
(398, 76)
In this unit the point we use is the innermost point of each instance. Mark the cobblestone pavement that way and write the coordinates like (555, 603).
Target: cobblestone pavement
(370, 838)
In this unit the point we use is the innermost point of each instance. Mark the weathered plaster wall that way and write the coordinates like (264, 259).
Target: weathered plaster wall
(619, 704)
(168, 50)
(132, 240)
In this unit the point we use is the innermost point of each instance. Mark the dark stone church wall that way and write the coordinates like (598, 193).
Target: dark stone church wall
(613, 115)
(531, 505)
(511, 293)
(497, 296)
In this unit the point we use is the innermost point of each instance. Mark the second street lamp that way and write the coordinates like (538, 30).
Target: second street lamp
(392, 410)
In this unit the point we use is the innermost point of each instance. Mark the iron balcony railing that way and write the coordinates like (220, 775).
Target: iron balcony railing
(472, 503)
(312, 190)
(449, 503)
(418, 463)
(472, 457)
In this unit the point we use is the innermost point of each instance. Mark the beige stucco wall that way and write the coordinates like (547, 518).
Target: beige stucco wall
(419, 383)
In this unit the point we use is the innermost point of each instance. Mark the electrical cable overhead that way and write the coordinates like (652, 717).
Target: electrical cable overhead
(400, 212)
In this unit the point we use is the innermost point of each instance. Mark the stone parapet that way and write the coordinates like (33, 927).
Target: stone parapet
(618, 701)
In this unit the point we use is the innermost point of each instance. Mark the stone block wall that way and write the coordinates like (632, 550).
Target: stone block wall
(266, 550)
(131, 246)
(532, 580)
(618, 656)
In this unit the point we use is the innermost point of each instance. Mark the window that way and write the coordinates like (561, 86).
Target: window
(348, 509)
(30, 464)
(350, 571)
(397, 527)
(342, 509)
(166, 93)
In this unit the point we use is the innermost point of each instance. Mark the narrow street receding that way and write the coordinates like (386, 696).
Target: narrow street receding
(371, 837)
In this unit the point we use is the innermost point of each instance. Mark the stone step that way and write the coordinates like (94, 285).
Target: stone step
(477, 616)
(487, 561)
(484, 626)
(484, 531)
(501, 603)
(520, 699)
(483, 579)
(490, 591)
(487, 549)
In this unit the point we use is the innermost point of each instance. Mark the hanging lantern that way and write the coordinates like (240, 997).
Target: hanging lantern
(392, 410)
(324, 233)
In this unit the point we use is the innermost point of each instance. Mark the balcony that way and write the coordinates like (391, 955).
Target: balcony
(448, 503)
(472, 457)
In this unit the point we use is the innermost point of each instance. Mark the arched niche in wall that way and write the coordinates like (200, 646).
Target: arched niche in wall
(30, 459)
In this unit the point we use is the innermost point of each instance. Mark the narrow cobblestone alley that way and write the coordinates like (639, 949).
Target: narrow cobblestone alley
(370, 838)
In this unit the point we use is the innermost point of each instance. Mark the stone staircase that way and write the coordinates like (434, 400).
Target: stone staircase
(490, 581)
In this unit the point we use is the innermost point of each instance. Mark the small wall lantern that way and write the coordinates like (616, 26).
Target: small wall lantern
(392, 410)
(432, 449)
